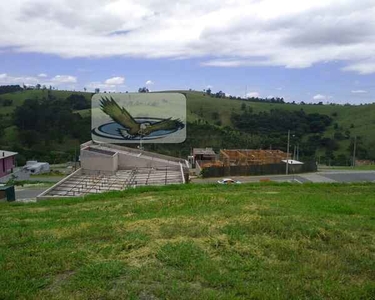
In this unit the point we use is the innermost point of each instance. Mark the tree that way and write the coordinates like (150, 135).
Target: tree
(38, 86)
(78, 102)
(4, 89)
(208, 91)
(6, 102)
(29, 137)
(143, 90)
(338, 135)
(220, 94)
(97, 91)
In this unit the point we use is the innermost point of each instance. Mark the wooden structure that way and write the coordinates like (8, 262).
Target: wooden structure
(246, 157)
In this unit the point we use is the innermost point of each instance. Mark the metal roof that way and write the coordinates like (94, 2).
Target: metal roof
(207, 151)
(5, 154)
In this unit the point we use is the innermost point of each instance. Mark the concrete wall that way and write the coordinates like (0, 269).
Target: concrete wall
(146, 153)
(143, 161)
(126, 158)
(94, 162)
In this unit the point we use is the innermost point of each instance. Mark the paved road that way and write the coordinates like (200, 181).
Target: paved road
(28, 193)
(327, 176)
(351, 176)
(46, 178)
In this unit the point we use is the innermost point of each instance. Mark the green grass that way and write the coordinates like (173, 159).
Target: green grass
(19, 97)
(260, 241)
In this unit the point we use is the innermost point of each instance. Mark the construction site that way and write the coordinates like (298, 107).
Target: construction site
(237, 157)
(244, 162)
(107, 167)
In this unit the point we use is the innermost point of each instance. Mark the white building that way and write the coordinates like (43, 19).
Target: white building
(35, 167)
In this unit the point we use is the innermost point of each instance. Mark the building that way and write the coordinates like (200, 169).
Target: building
(7, 163)
(35, 167)
(107, 167)
(201, 154)
(204, 154)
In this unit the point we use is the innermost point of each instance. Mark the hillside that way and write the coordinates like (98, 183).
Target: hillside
(262, 241)
(213, 126)
(361, 116)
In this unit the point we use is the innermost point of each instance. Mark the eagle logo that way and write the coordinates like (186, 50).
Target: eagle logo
(133, 128)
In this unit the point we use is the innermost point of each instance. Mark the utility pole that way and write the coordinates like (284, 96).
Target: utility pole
(354, 150)
(287, 154)
(298, 152)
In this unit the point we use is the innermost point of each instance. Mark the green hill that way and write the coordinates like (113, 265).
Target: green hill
(211, 125)
(262, 241)
(358, 119)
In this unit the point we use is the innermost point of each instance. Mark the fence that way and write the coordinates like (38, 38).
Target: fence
(254, 170)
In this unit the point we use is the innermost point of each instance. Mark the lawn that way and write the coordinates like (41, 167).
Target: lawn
(254, 241)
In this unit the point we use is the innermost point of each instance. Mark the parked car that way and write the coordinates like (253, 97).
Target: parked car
(228, 181)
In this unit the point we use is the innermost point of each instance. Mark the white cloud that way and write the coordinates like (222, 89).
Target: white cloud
(115, 81)
(91, 86)
(252, 95)
(149, 82)
(64, 79)
(364, 67)
(289, 33)
(114, 84)
(20, 80)
(359, 92)
(42, 75)
(58, 80)
(321, 97)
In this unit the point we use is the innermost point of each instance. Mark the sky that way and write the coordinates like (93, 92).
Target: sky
(311, 50)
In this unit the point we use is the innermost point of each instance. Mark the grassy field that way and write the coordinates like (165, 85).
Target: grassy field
(19, 97)
(261, 241)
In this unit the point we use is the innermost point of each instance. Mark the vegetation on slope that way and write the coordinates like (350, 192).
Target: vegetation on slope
(262, 241)
(212, 122)
(43, 124)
